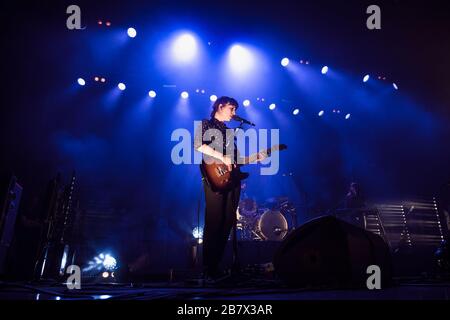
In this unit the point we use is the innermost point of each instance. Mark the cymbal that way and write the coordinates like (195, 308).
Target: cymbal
(276, 200)
(247, 206)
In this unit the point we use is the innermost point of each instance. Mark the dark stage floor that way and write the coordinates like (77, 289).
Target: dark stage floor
(406, 290)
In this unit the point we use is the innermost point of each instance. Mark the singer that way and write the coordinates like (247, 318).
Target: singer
(220, 214)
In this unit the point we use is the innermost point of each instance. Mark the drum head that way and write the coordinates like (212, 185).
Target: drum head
(272, 226)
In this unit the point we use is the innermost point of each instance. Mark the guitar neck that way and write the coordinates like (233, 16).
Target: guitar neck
(254, 156)
(267, 152)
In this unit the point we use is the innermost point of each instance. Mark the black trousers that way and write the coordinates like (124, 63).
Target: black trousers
(220, 217)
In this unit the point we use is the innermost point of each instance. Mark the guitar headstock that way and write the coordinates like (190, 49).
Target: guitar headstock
(278, 147)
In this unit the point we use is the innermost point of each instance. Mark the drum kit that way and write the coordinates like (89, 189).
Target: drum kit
(271, 221)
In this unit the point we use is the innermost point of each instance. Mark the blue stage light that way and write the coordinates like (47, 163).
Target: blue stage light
(109, 262)
(101, 263)
(321, 112)
(184, 48)
(347, 116)
(324, 69)
(213, 98)
(284, 62)
(241, 59)
(81, 81)
(246, 103)
(152, 94)
(131, 32)
(366, 78)
(197, 233)
(296, 112)
(185, 95)
(272, 106)
(121, 86)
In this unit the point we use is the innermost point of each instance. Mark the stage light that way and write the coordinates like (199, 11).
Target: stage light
(96, 79)
(81, 81)
(105, 274)
(366, 78)
(203, 91)
(347, 116)
(109, 262)
(284, 62)
(185, 95)
(100, 22)
(272, 106)
(321, 112)
(121, 86)
(101, 263)
(213, 98)
(152, 94)
(184, 48)
(295, 112)
(197, 233)
(103, 80)
(131, 32)
(108, 24)
(246, 103)
(324, 70)
(395, 86)
(240, 59)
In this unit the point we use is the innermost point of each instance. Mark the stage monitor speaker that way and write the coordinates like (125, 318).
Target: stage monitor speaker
(10, 195)
(329, 252)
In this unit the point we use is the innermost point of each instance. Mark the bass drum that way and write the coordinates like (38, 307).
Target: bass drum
(272, 225)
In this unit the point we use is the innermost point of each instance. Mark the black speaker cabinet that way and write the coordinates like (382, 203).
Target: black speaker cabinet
(330, 252)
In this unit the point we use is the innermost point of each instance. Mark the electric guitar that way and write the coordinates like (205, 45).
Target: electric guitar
(220, 179)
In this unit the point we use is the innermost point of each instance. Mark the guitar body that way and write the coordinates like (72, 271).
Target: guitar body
(219, 178)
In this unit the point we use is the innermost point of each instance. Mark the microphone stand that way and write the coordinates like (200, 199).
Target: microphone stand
(235, 269)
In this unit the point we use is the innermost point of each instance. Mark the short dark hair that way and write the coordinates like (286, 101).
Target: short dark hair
(223, 101)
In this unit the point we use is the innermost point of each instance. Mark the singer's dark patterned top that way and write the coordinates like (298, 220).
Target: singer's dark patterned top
(217, 135)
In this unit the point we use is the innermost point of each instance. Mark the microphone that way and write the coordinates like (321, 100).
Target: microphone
(237, 118)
